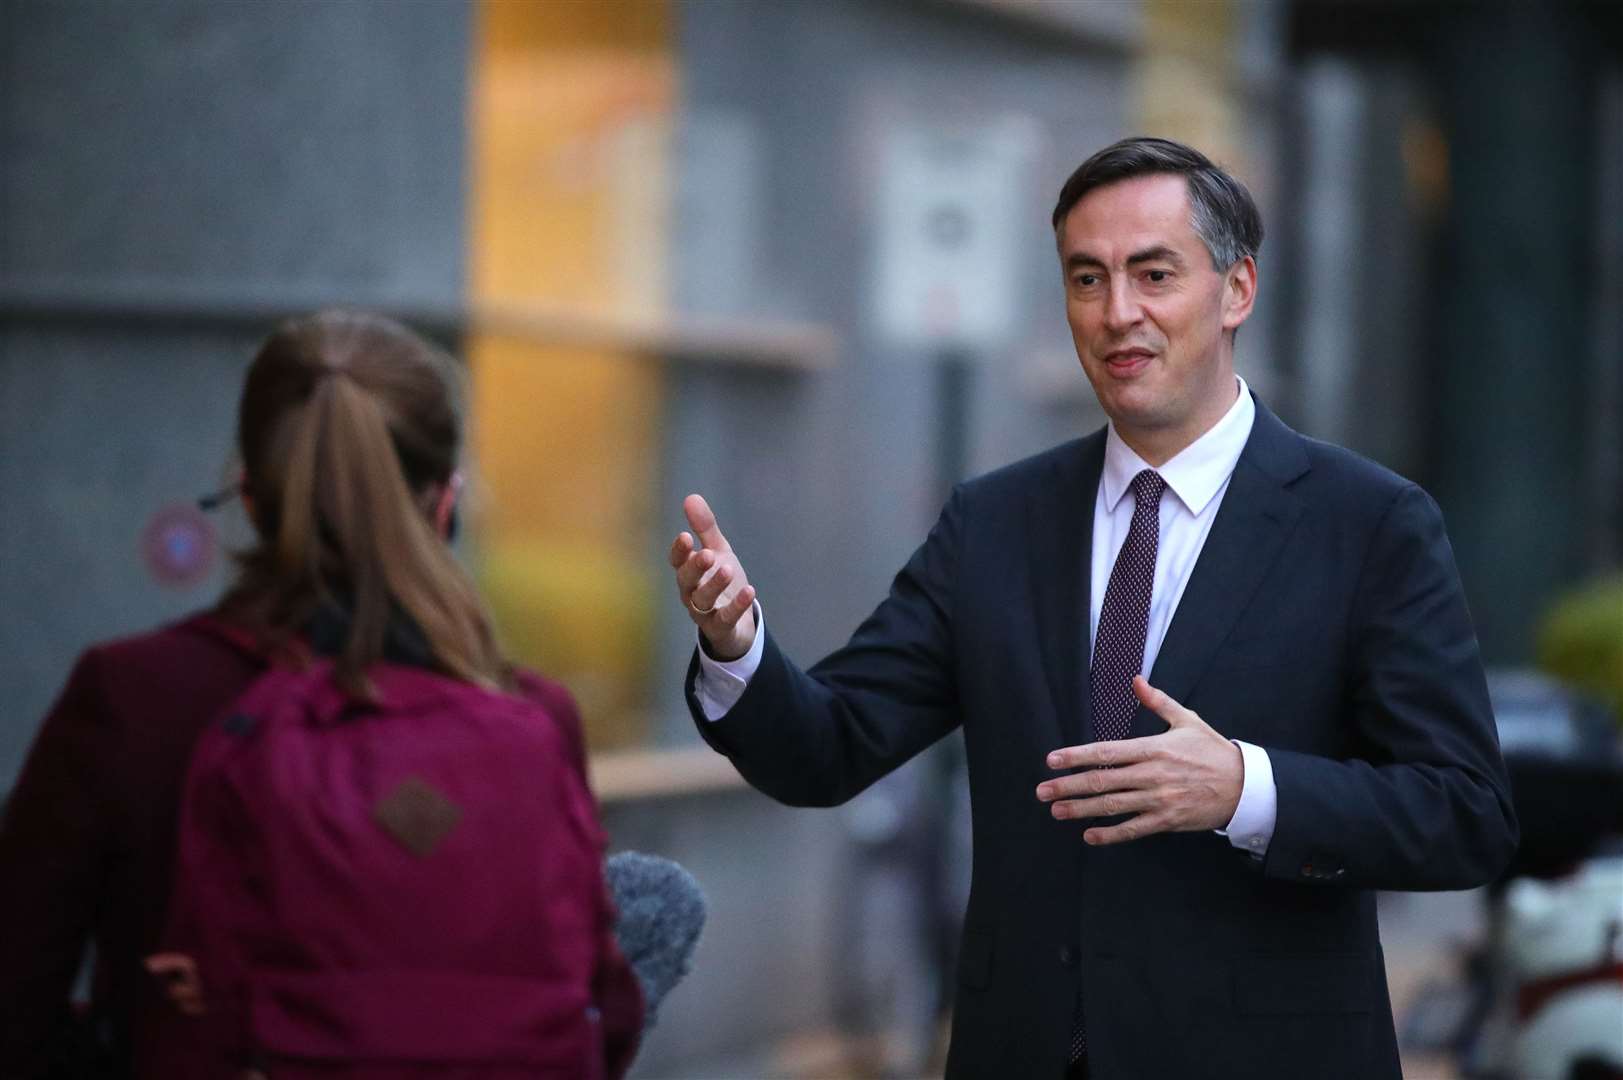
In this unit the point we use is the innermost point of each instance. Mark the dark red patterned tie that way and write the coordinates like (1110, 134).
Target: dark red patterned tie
(1118, 650)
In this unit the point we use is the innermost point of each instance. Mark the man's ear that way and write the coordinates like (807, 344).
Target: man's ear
(1239, 292)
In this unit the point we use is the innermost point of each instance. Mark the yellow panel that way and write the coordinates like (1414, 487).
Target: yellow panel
(571, 103)
(569, 132)
(1183, 78)
(564, 438)
(614, 25)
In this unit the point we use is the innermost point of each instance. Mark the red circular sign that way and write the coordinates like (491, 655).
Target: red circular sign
(178, 546)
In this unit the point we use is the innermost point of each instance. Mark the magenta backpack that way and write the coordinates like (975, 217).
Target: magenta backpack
(407, 889)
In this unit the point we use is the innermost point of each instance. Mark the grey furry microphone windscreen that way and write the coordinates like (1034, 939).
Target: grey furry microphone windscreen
(661, 912)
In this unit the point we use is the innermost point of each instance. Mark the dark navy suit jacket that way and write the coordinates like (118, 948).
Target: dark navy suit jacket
(1324, 621)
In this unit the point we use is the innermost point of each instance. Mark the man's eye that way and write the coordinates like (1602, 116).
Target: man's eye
(1157, 276)
(1087, 280)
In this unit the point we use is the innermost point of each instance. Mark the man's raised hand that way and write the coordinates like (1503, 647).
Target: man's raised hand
(1186, 779)
(711, 582)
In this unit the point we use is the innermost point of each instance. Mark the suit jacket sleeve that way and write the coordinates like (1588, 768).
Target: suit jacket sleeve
(818, 737)
(1425, 804)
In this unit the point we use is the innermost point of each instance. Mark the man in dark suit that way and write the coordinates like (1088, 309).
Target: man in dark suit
(1217, 682)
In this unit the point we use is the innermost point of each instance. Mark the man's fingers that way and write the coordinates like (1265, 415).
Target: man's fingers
(1113, 752)
(1099, 781)
(707, 593)
(694, 571)
(1126, 751)
(1107, 805)
(703, 522)
(1161, 704)
(1132, 829)
(681, 548)
(731, 611)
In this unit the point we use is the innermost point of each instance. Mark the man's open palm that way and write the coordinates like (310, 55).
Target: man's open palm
(712, 584)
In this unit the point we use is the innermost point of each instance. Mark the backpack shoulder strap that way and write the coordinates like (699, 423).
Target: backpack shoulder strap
(245, 641)
(238, 637)
(287, 671)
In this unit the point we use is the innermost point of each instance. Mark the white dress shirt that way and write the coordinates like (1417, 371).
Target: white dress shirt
(1197, 477)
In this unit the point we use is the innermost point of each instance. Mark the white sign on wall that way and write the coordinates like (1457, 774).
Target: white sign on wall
(953, 206)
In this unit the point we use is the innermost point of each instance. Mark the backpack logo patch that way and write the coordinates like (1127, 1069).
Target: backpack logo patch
(417, 816)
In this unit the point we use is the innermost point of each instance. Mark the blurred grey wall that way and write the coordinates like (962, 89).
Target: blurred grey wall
(174, 176)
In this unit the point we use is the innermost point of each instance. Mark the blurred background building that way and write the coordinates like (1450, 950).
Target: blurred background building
(794, 255)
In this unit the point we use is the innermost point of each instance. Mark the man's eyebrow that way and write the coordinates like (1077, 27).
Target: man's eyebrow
(1158, 253)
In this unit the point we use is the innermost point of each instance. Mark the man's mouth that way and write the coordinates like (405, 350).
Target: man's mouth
(1127, 361)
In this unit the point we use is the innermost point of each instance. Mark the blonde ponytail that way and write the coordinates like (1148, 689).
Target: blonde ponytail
(347, 423)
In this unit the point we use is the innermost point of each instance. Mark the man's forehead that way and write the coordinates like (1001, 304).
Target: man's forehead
(1150, 193)
(1130, 215)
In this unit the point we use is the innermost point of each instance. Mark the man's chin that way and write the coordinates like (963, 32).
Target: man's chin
(1134, 408)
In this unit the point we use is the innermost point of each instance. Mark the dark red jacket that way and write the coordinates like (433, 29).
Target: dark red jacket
(87, 841)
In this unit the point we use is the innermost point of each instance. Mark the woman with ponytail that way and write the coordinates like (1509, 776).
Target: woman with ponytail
(349, 433)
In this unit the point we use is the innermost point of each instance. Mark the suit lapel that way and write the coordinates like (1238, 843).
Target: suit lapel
(1252, 525)
(1061, 528)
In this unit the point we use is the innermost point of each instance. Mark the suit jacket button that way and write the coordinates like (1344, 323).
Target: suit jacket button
(1069, 955)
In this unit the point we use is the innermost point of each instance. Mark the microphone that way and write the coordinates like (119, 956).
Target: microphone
(661, 912)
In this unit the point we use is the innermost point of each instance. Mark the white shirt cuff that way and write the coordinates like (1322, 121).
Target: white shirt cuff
(720, 683)
(1252, 826)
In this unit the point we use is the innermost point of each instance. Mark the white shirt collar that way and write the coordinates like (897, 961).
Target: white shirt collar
(1195, 473)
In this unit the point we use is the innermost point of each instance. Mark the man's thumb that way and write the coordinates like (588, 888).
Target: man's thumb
(1159, 703)
(703, 522)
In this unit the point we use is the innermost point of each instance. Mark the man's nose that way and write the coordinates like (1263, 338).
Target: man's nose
(1121, 309)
